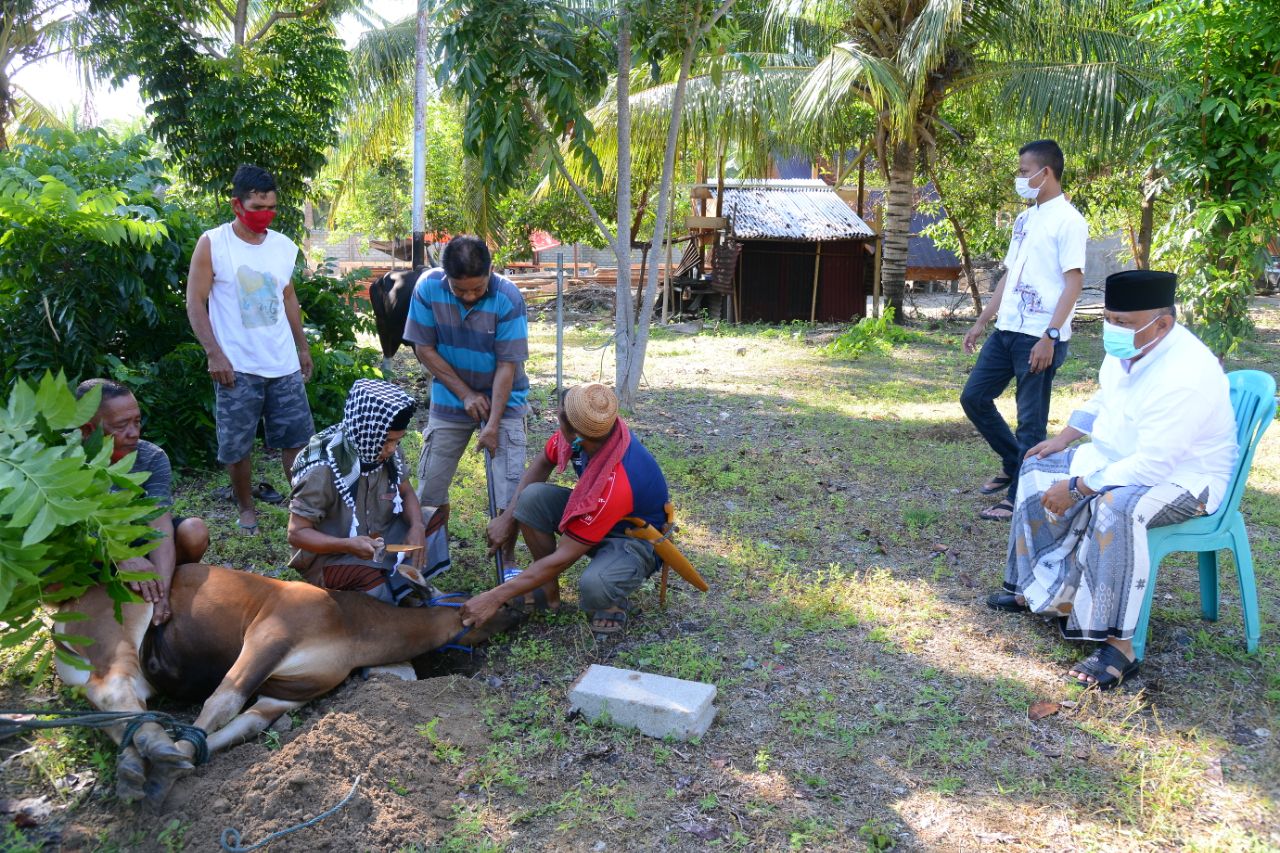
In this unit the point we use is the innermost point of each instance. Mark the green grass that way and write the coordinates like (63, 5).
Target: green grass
(845, 646)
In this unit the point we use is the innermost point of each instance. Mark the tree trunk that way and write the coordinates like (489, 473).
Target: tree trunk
(1146, 223)
(622, 319)
(897, 227)
(635, 362)
(6, 101)
(965, 257)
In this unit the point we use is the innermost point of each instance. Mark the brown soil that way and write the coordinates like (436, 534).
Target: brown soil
(406, 793)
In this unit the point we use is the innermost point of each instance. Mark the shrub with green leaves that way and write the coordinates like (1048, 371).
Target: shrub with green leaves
(93, 259)
(870, 336)
(62, 528)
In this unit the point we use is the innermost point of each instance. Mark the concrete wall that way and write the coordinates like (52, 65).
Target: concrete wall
(1104, 256)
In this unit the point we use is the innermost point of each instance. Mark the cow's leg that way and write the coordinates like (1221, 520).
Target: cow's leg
(114, 682)
(252, 722)
(258, 660)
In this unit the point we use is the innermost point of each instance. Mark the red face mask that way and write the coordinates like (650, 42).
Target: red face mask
(255, 220)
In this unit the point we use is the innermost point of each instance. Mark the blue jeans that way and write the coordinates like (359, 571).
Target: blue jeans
(1006, 356)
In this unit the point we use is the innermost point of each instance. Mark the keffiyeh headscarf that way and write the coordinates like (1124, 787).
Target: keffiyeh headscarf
(351, 448)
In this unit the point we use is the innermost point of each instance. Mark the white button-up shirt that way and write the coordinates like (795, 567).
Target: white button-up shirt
(1165, 418)
(1048, 241)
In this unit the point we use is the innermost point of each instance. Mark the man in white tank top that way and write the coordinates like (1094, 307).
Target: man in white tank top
(244, 312)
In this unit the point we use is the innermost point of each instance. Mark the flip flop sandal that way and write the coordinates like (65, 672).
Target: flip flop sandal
(995, 485)
(1107, 666)
(265, 492)
(1002, 511)
(538, 604)
(224, 494)
(1006, 602)
(607, 622)
(248, 529)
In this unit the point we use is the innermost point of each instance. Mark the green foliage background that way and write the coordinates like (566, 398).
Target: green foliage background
(273, 101)
(67, 514)
(94, 254)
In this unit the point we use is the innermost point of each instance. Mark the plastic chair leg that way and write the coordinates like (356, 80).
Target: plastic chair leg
(1144, 617)
(1209, 585)
(1248, 586)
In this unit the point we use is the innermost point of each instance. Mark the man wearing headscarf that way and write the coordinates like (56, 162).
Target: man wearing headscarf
(1162, 450)
(617, 478)
(351, 502)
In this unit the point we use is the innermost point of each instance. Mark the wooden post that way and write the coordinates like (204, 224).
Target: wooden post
(862, 178)
(576, 273)
(813, 303)
(720, 188)
(875, 281)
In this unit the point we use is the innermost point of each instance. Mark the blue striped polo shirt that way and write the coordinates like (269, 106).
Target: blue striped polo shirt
(471, 340)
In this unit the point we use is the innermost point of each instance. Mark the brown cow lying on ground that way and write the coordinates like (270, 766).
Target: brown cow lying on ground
(236, 637)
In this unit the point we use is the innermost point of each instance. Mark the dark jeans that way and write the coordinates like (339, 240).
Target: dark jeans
(1005, 356)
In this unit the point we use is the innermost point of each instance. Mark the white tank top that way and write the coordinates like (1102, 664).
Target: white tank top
(246, 303)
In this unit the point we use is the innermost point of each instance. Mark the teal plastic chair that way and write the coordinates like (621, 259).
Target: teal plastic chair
(1253, 397)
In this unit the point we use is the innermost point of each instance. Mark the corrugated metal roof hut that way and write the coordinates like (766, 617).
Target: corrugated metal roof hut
(925, 260)
(802, 253)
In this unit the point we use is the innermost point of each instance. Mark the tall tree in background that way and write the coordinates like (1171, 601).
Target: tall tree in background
(1214, 136)
(1060, 64)
(30, 32)
(232, 82)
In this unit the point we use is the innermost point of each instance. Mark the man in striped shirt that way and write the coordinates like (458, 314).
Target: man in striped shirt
(469, 329)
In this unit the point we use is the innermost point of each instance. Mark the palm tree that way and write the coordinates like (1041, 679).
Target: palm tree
(30, 32)
(1059, 64)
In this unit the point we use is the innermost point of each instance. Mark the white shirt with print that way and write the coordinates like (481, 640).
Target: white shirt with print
(1048, 241)
(246, 302)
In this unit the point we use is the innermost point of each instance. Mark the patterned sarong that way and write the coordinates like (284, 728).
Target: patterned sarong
(1090, 566)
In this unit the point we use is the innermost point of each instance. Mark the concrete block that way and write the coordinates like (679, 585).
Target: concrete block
(403, 671)
(657, 705)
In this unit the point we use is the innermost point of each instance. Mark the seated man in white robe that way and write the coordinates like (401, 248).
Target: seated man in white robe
(1162, 451)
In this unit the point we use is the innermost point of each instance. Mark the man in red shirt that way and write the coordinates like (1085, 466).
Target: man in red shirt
(617, 478)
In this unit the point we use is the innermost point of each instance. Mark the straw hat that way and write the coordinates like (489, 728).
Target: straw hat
(591, 409)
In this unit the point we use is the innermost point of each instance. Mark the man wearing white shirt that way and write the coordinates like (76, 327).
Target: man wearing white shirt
(1032, 305)
(1162, 450)
(243, 310)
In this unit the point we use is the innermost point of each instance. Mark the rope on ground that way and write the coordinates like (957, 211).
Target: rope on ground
(101, 720)
(230, 838)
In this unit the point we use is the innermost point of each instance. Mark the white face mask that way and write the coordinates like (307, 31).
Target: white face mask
(1022, 186)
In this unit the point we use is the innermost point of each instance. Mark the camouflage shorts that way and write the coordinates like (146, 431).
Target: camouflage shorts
(280, 401)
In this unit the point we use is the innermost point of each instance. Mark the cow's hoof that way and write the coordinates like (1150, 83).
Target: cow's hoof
(169, 755)
(131, 774)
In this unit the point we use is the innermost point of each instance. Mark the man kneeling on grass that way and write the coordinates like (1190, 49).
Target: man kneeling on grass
(354, 518)
(617, 478)
(183, 540)
(1162, 451)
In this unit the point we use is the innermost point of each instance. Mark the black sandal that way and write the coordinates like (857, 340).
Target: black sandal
(1002, 511)
(1006, 602)
(1107, 666)
(995, 485)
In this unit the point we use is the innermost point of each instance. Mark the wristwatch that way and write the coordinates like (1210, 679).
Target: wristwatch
(1052, 334)
(1073, 486)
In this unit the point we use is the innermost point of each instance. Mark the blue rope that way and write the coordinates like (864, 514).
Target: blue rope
(453, 644)
(230, 838)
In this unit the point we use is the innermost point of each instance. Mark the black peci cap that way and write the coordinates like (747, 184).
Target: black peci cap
(1140, 290)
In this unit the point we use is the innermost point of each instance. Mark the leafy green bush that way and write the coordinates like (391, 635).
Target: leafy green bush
(61, 525)
(93, 261)
(94, 253)
(333, 311)
(870, 335)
